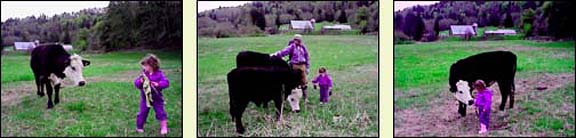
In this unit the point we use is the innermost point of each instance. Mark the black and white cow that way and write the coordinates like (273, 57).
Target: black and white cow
(491, 67)
(51, 64)
(260, 84)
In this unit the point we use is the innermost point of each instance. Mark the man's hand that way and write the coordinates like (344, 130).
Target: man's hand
(155, 84)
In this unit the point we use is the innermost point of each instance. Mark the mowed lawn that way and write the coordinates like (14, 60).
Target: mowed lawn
(423, 105)
(351, 60)
(106, 106)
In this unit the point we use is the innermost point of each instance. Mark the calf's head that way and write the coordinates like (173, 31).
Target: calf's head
(294, 99)
(463, 92)
(73, 71)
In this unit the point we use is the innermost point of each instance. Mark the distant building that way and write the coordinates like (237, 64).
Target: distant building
(24, 46)
(301, 25)
(463, 30)
(337, 27)
(501, 32)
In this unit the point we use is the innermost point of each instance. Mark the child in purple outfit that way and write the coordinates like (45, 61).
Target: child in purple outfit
(151, 93)
(325, 82)
(483, 103)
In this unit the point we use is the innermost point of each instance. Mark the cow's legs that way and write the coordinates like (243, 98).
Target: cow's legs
(278, 105)
(237, 116)
(57, 95)
(462, 108)
(504, 91)
(38, 80)
(512, 91)
(49, 92)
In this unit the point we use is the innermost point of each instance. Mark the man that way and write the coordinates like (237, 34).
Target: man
(298, 59)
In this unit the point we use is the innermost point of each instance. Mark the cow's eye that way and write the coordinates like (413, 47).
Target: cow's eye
(292, 99)
(460, 91)
(73, 68)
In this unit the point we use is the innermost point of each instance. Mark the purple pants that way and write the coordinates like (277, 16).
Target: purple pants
(157, 104)
(484, 116)
(324, 93)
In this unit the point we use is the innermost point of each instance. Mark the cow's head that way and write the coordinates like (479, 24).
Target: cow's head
(463, 92)
(75, 65)
(294, 99)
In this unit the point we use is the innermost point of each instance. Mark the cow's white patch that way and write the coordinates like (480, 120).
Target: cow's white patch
(294, 99)
(463, 92)
(74, 70)
(54, 79)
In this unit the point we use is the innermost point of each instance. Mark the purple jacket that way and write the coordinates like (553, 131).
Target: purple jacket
(484, 99)
(158, 77)
(323, 80)
(297, 55)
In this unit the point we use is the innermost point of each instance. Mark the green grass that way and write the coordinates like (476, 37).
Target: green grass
(106, 106)
(421, 75)
(414, 69)
(351, 61)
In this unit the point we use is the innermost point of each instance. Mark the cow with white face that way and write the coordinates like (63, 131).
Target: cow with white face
(51, 64)
(294, 99)
(463, 93)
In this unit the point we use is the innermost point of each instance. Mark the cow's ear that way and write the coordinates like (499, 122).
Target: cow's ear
(85, 62)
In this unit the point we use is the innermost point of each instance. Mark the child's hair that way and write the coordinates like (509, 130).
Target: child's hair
(480, 85)
(322, 70)
(152, 61)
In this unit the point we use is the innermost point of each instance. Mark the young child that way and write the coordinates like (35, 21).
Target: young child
(483, 103)
(325, 82)
(151, 83)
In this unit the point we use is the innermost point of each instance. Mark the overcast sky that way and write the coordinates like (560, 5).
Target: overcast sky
(400, 5)
(208, 5)
(21, 9)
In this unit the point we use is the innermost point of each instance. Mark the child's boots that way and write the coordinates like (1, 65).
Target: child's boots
(164, 127)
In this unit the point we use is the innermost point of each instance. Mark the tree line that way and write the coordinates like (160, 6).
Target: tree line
(121, 25)
(266, 17)
(532, 18)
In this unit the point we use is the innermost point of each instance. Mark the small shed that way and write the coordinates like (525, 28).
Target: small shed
(462, 30)
(501, 32)
(337, 27)
(24, 46)
(67, 47)
(301, 25)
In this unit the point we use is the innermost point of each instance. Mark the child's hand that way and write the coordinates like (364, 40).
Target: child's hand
(154, 84)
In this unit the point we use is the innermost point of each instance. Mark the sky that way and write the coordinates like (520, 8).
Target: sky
(21, 9)
(400, 5)
(208, 5)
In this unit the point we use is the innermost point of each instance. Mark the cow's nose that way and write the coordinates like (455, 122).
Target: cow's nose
(82, 83)
(297, 111)
(470, 102)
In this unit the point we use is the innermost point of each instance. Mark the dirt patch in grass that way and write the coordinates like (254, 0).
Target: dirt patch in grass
(441, 118)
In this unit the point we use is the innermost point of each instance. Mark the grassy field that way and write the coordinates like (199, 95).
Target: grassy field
(106, 106)
(423, 106)
(351, 60)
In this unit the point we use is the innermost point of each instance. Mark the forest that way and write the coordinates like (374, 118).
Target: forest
(122, 25)
(531, 18)
(257, 18)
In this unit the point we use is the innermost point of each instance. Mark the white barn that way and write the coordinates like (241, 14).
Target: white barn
(24, 46)
(337, 27)
(301, 25)
(462, 30)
